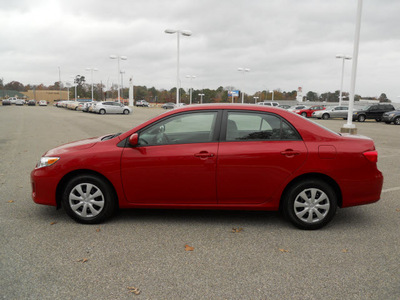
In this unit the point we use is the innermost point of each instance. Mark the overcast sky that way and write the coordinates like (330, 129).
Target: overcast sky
(285, 43)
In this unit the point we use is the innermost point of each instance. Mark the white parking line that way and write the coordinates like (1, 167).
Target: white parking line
(391, 189)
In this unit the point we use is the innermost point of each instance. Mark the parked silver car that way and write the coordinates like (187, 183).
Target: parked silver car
(109, 107)
(332, 112)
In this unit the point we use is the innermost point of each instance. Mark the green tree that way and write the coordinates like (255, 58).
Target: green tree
(15, 86)
(383, 98)
(312, 96)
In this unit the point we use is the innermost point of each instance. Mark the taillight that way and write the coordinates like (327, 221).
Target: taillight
(372, 156)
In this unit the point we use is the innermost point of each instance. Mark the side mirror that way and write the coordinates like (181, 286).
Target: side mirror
(134, 140)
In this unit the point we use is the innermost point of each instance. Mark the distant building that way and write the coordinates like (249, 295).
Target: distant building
(48, 95)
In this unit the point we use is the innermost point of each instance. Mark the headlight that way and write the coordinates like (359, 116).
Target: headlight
(46, 161)
(391, 115)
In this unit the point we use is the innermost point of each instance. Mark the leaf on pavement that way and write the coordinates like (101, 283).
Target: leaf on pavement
(345, 250)
(284, 250)
(82, 260)
(134, 290)
(236, 230)
(10, 201)
(52, 223)
(188, 248)
(98, 229)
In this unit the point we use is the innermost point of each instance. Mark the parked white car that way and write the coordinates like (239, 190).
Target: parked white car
(20, 102)
(109, 107)
(268, 103)
(42, 103)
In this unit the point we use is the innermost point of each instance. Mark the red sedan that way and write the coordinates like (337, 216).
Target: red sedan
(307, 112)
(246, 157)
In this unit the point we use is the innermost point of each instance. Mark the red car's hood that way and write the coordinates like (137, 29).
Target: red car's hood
(74, 146)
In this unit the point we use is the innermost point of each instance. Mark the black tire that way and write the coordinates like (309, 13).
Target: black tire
(361, 118)
(386, 122)
(325, 116)
(310, 204)
(303, 114)
(94, 208)
(102, 111)
(396, 121)
(126, 112)
(378, 119)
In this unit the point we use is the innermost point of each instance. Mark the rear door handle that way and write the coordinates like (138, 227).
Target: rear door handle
(290, 153)
(204, 154)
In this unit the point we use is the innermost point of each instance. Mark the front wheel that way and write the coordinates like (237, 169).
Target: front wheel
(304, 114)
(361, 118)
(325, 116)
(397, 121)
(88, 199)
(102, 111)
(310, 204)
(126, 112)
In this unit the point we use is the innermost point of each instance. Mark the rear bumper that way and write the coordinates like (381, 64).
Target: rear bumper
(363, 192)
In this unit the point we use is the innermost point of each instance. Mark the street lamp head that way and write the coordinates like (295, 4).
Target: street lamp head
(123, 57)
(170, 31)
(244, 69)
(343, 56)
(186, 32)
(112, 56)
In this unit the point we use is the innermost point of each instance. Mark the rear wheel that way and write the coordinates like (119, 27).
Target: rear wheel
(304, 114)
(378, 119)
(88, 199)
(310, 204)
(102, 111)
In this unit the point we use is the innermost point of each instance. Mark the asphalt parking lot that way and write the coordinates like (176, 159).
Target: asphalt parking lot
(236, 255)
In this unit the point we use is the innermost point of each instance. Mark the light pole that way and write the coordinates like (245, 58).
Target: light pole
(178, 33)
(122, 83)
(272, 92)
(201, 98)
(349, 127)
(68, 85)
(118, 58)
(255, 100)
(91, 71)
(343, 57)
(244, 70)
(191, 89)
(74, 84)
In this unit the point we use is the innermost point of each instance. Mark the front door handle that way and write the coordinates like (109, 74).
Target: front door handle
(204, 154)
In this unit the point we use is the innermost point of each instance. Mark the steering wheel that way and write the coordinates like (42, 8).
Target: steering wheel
(162, 138)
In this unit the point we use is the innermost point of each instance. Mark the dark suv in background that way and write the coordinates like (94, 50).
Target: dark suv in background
(374, 111)
(392, 116)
